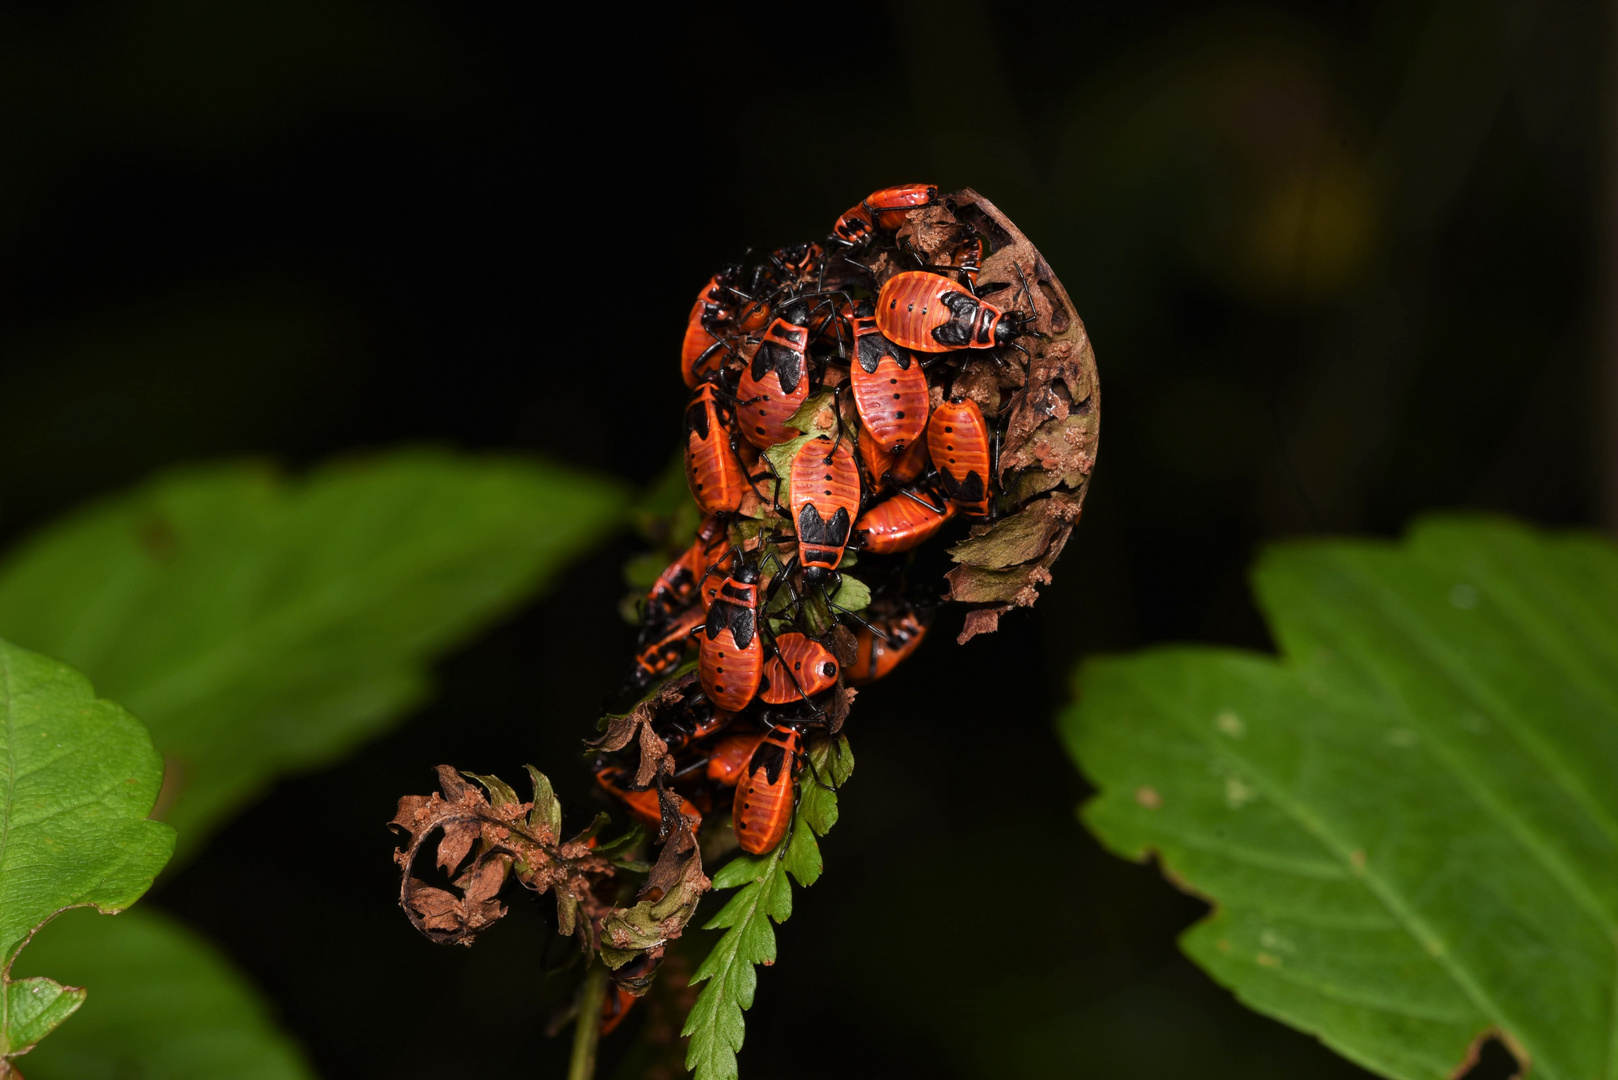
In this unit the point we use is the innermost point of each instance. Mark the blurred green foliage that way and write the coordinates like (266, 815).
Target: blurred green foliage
(261, 625)
(264, 625)
(1408, 811)
(163, 1005)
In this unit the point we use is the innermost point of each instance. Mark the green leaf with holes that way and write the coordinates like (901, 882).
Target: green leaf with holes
(715, 1026)
(1408, 823)
(78, 777)
(262, 625)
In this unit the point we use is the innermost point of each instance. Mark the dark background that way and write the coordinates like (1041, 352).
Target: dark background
(1342, 264)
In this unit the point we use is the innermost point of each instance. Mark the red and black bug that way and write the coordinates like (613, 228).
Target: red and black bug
(697, 720)
(664, 648)
(776, 381)
(714, 312)
(969, 261)
(875, 656)
(676, 587)
(799, 262)
(883, 209)
(642, 805)
(730, 652)
(958, 442)
(711, 465)
(890, 389)
(801, 668)
(930, 313)
(825, 499)
(730, 756)
(614, 1007)
(876, 462)
(901, 522)
(909, 466)
(764, 794)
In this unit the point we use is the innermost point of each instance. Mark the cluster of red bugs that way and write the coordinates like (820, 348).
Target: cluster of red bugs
(863, 317)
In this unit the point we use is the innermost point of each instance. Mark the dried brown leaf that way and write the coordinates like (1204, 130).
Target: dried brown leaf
(1052, 416)
(1021, 538)
(984, 620)
(505, 838)
(664, 904)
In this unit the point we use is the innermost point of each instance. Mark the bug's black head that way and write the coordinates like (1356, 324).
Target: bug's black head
(816, 575)
(747, 573)
(1012, 325)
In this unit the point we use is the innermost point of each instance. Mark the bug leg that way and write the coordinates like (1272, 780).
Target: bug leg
(691, 768)
(913, 497)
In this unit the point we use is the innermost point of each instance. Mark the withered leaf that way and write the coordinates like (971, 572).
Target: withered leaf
(844, 645)
(1052, 418)
(1017, 586)
(622, 730)
(665, 903)
(842, 700)
(985, 620)
(508, 837)
(654, 757)
(1020, 538)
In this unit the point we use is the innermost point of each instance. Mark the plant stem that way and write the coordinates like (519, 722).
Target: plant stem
(587, 1028)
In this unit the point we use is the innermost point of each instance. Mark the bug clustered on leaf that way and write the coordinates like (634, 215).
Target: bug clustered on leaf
(918, 375)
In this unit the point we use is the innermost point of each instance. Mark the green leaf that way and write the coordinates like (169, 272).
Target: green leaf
(804, 417)
(547, 809)
(1409, 823)
(163, 1004)
(261, 625)
(853, 594)
(78, 779)
(780, 458)
(715, 1025)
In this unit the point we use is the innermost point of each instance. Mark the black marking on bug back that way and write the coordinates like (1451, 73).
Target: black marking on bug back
(957, 333)
(743, 622)
(741, 594)
(873, 347)
(770, 756)
(814, 529)
(786, 363)
(969, 490)
(696, 417)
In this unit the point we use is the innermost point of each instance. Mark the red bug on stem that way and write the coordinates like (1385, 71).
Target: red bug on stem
(711, 466)
(642, 805)
(764, 794)
(731, 755)
(715, 310)
(801, 668)
(930, 313)
(776, 382)
(676, 587)
(730, 652)
(875, 656)
(825, 499)
(883, 209)
(901, 522)
(890, 389)
(958, 442)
